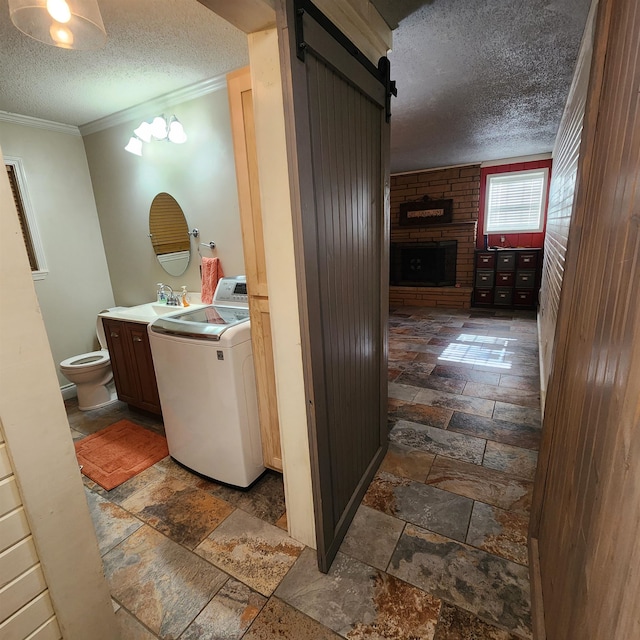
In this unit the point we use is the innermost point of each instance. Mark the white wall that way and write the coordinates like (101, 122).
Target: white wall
(77, 287)
(41, 452)
(199, 174)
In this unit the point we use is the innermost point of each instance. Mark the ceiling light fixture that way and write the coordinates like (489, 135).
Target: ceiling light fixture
(69, 24)
(159, 128)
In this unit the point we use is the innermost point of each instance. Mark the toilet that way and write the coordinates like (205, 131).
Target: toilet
(91, 373)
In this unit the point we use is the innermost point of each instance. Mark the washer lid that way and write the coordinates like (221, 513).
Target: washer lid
(205, 323)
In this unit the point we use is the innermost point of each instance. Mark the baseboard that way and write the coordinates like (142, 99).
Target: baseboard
(537, 604)
(68, 391)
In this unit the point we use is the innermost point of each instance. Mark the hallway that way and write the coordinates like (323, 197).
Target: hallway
(436, 551)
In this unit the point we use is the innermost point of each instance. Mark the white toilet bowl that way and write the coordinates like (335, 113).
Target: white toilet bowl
(91, 373)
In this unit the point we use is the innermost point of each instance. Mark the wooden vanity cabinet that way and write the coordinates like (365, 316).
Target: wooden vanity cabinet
(132, 364)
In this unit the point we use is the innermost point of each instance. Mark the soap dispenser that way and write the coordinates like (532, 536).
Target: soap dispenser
(184, 296)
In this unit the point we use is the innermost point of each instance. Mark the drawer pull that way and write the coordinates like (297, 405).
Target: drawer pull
(137, 339)
(115, 334)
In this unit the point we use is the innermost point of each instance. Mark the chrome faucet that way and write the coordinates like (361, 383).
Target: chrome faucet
(172, 298)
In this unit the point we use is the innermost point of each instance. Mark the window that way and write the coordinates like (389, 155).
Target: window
(26, 218)
(515, 201)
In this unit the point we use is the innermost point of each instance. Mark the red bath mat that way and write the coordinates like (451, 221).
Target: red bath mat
(119, 452)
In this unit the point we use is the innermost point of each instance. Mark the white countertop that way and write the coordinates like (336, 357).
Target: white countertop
(145, 313)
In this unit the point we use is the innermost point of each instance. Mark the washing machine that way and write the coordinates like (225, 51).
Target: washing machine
(206, 381)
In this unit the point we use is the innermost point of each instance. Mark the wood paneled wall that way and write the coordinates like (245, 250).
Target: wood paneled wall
(561, 197)
(25, 604)
(586, 513)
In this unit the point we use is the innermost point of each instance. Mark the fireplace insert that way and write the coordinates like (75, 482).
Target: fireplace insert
(423, 264)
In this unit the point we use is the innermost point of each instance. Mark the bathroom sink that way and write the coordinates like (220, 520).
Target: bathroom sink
(145, 313)
(163, 309)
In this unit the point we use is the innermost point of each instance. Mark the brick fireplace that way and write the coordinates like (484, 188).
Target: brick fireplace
(462, 185)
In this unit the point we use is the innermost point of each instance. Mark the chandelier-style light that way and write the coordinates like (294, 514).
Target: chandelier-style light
(69, 24)
(159, 128)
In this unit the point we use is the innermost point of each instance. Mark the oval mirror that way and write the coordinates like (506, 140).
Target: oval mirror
(169, 234)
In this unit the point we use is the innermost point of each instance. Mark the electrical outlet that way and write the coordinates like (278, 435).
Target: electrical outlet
(501, 239)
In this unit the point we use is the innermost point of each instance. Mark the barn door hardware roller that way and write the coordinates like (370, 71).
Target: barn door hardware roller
(382, 72)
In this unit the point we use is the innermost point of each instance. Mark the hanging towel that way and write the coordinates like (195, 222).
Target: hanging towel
(211, 273)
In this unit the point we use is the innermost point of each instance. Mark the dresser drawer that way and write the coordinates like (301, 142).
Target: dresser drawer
(525, 279)
(484, 279)
(527, 259)
(503, 296)
(506, 261)
(523, 298)
(485, 260)
(483, 296)
(505, 279)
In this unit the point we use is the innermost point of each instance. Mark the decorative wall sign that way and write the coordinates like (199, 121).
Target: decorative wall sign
(425, 212)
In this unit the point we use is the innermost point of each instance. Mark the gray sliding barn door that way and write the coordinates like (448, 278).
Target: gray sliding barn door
(338, 138)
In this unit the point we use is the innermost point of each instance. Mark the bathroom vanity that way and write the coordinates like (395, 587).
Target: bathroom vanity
(133, 372)
(127, 338)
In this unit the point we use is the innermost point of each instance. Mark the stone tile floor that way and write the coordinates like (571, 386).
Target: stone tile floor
(437, 550)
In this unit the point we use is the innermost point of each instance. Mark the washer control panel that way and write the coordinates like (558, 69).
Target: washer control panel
(232, 292)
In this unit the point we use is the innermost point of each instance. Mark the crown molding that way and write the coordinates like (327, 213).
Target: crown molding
(39, 123)
(518, 159)
(449, 166)
(144, 110)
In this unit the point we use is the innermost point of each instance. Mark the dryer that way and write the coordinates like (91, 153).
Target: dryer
(204, 368)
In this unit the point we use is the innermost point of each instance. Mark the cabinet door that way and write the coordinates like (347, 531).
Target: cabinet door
(147, 396)
(124, 374)
(242, 125)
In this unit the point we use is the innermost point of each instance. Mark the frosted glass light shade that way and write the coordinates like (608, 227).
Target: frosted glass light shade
(134, 146)
(176, 132)
(46, 21)
(159, 128)
(144, 132)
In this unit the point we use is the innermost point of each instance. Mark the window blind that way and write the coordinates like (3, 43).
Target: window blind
(24, 226)
(515, 201)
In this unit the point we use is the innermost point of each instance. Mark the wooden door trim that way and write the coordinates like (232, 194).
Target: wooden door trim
(245, 151)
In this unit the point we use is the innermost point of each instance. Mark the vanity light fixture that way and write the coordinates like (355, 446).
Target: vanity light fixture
(159, 128)
(176, 131)
(143, 132)
(134, 146)
(68, 24)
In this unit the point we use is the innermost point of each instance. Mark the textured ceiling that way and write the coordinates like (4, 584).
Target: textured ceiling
(153, 47)
(477, 79)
